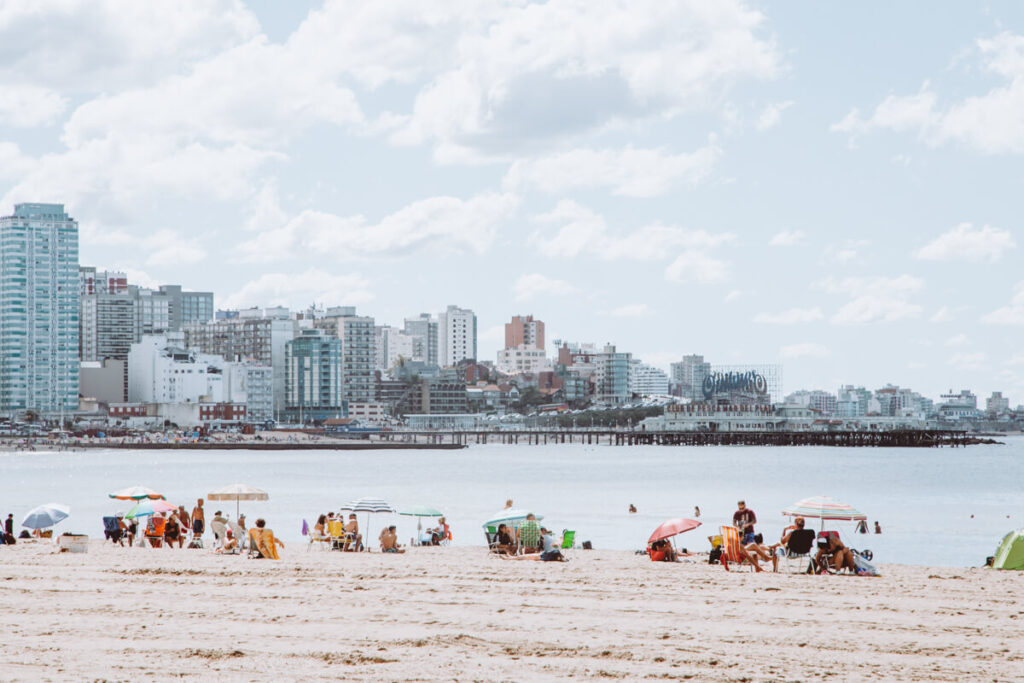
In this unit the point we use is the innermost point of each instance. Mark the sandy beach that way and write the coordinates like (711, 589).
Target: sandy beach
(124, 614)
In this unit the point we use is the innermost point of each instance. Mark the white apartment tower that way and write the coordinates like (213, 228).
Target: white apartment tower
(39, 288)
(456, 333)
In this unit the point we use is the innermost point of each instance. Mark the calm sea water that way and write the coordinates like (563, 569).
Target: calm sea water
(923, 498)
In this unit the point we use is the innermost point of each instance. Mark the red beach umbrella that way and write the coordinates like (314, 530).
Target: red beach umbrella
(671, 527)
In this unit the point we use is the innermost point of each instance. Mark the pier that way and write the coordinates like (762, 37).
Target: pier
(928, 438)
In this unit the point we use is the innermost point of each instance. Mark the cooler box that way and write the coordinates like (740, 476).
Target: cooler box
(74, 543)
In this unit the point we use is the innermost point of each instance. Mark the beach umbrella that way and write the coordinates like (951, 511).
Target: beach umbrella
(419, 512)
(136, 493)
(370, 506)
(513, 516)
(823, 507)
(45, 516)
(238, 492)
(671, 527)
(147, 508)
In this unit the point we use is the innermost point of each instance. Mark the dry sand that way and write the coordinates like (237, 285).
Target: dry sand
(459, 614)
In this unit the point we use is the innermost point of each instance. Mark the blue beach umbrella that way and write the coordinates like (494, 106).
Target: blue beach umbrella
(45, 516)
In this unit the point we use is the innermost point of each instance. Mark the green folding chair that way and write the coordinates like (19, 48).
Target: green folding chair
(568, 539)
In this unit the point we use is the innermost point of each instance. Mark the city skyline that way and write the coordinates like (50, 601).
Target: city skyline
(755, 187)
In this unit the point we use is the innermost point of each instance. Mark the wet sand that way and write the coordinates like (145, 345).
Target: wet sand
(124, 614)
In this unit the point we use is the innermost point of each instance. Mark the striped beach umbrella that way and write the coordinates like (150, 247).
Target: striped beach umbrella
(370, 506)
(824, 508)
(136, 493)
(147, 508)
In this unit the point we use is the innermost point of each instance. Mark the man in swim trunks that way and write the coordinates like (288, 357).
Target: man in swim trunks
(198, 519)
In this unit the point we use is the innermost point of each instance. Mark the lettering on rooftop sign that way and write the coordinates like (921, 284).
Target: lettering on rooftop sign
(720, 382)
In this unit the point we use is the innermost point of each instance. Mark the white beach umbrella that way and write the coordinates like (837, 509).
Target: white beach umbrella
(238, 492)
(45, 516)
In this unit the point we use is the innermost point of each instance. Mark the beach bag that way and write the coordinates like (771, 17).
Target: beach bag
(864, 567)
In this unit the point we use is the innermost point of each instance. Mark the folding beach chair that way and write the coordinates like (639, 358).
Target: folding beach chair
(825, 560)
(568, 540)
(336, 533)
(218, 529)
(492, 538)
(322, 539)
(731, 549)
(155, 531)
(799, 546)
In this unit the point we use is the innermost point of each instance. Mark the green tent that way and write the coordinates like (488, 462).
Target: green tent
(1010, 554)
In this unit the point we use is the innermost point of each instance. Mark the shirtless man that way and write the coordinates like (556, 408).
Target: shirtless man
(198, 519)
(389, 541)
(352, 536)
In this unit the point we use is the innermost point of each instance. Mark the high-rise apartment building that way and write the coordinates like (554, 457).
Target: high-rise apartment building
(688, 375)
(423, 330)
(456, 332)
(611, 376)
(255, 335)
(313, 387)
(524, 347)
(524, 331)
(647, 380)
(392, 345)
(39, 288)
(358, 350)
(187, 307)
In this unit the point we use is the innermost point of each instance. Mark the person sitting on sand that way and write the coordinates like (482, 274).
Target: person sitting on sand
(842, 557)
(389, 541)
(320, 528)
(504, 542)
(758, 550)
(172, 532)
(265, 541)
(665, 547)
(230, 544)
(353, 539)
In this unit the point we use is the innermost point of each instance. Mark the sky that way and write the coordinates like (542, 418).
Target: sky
(834, 187)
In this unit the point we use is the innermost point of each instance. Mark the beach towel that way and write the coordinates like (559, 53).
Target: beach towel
(864, 568)
(305, 528)
(268, 548)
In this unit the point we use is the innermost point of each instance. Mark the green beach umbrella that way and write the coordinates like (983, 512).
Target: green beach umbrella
(419, 511)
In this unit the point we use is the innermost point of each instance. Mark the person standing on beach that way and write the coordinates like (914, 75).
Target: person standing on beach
(9, 525)
(198, 519)
(696, 511)
(744, 519)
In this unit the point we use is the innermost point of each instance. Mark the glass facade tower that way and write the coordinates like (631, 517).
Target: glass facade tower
(39, 291)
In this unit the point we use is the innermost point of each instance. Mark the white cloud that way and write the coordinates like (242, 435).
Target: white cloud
(991, 123)
(298, 290)
(791, 316)
(943, 315)
(629, 311)
(29, 105)
(732, 296)
(974, 360)
(694, 265)
(787, 238)
(629, 172)
(772, 114)
(1012, 314)
(581, 231)
(445, 223)
(958, 340)
(804, 350)
(845, 251)
(169, 248)
(107, 45)
(530, 286)
(966, 243)
(875, 299)
(536, 71)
